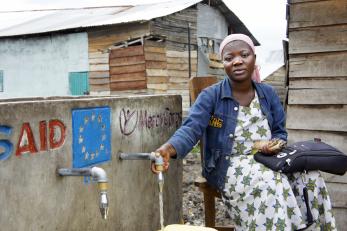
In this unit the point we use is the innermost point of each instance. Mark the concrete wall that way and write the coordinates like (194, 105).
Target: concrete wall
(40, 66)
(33, 197)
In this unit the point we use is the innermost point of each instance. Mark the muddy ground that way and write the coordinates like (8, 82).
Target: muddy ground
(193, 207)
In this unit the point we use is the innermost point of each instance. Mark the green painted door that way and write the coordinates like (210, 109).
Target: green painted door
(79, 83)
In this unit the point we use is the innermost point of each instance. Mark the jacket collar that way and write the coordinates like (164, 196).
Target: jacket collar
(227, 91)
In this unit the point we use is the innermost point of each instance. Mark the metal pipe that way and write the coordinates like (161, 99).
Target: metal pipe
(136, 156)
(153, 156)
(99, 175)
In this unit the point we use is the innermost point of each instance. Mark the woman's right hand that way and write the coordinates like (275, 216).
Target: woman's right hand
(166, 151)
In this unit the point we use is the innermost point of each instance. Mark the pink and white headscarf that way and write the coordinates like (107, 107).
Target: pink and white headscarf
(246, 39)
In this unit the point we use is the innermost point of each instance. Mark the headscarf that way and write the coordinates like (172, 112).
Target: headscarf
(246, 39)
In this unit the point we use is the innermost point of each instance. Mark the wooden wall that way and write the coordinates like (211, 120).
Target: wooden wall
(175, 29)
(317, 96)
(277, 80)
(101, 40)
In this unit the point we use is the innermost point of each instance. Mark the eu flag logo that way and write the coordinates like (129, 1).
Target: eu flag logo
(91, 136)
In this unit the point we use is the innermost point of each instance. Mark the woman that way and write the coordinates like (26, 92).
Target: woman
(231, 116)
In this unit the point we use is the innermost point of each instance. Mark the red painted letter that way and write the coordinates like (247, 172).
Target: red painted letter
(29, 143)
(43, 136)
(55, 142)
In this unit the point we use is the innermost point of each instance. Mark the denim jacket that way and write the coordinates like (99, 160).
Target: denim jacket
(213, 117)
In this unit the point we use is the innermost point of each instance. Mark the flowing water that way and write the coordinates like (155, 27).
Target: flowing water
(161, 210)
(161, 204)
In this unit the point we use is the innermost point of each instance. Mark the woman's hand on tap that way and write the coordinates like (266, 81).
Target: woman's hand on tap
(166, 151)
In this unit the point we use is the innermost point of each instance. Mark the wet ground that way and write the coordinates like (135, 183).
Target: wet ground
(193, 207)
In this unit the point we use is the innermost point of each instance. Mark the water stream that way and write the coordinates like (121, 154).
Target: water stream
(161, 204)
(161, 210)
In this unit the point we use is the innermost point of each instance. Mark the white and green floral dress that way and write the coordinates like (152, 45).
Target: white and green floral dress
(261, 199)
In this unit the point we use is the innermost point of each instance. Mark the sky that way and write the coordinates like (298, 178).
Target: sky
(265, 19)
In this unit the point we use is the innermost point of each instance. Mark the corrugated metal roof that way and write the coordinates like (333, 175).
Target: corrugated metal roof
(42, 21)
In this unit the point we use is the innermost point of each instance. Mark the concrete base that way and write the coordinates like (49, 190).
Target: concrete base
(34, 197)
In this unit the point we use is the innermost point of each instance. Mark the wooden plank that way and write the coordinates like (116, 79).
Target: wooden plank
(99, 81)
(99, 67)
(178, 86)
(131, 29)
(161, 50)
(99, 87)
(182, 60)
(332, 178)
(319, 83)
(317, 96)
(318, 39)
(99, 74)
(216, 65)
(174, 73)
(162, 87)
(338, 194)
(126, 52)
(152, 43)
(127, 69)
(336, 139)
(318, 13)
(103, 60)
(301, 1)
(179, 54)
(197, 84)
(179, 80)
(96, 55)
(129, 85)
(156, 64)
(135, 76)
(318, 65)
(181, 67)
(323, 118)
(124, 61)
(340, 215)
(156, 72)
(157, 79)
(155, 56)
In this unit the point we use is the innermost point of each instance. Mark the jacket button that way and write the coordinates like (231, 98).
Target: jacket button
(236, 108)
(231, 135)
(227, 157)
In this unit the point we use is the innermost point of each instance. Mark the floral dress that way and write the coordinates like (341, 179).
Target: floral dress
(261, 199)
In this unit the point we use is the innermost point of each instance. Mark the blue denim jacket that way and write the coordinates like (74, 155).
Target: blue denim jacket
(213, 117)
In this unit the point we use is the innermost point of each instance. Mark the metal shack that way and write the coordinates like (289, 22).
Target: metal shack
(317, 96)
(151, 48)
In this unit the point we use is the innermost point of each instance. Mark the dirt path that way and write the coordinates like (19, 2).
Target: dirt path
(193, 206)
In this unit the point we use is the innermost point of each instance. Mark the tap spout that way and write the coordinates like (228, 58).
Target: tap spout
(153, 156)
(100, 176)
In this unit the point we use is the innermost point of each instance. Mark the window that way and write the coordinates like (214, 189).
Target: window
(1, 81)
(79, 83)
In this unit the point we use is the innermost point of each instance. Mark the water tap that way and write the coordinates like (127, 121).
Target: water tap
(153, 156)
(99, 175)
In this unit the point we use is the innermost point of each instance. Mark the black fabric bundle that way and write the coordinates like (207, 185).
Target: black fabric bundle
(306, 156)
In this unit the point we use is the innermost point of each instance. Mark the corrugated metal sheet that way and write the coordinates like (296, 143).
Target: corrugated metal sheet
(41, 21)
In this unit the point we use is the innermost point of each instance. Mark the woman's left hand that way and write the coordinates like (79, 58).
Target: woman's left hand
(269, 147)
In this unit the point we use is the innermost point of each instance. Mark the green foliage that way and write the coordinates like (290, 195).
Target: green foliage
(196, 149)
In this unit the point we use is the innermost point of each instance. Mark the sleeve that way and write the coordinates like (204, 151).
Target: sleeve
(279, 118)
(184, 139)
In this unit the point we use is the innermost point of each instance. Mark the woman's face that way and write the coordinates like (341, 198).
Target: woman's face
(239, 60)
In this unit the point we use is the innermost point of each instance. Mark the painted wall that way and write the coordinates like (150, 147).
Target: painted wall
(37, 137)
(40, 66)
